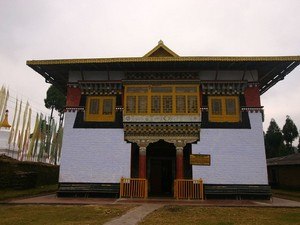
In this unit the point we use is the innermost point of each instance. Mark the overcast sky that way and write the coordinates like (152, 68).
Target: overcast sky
(48, 29)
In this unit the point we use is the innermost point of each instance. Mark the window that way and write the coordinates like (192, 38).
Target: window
(216, 107)
(180, 104)
(142, 104)
(224, 109)
(192, 104)
(155, 104)
(167, 104)
(130, 106)
(100, 109)
(161, 99)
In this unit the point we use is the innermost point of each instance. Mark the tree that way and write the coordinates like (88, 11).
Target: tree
(274, 140)
(290, 132)
(55, 99)
(299, 146)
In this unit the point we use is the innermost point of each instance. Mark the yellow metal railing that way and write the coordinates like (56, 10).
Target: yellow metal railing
(133, 188)
(188, 189)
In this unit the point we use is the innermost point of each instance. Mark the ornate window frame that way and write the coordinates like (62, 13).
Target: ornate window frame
(166, 97)
(99, 114)
(221, 114)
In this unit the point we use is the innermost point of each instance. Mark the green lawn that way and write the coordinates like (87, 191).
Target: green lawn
(185, 215)
(66, 215)
(11, 193)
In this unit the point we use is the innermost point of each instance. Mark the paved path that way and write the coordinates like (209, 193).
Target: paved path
(278, 202)
(135, 215)
(52, 199)
(146, 206)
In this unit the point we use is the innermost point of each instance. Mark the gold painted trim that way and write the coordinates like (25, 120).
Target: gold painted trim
(200, 159)
(224, 117)
(164, 59)
(100, 117)
(149, 94)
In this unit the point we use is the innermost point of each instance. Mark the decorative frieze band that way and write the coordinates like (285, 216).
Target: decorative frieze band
(252, 109)
(223, 87)
(144, 141)
(74, 109)
(253, 84)
(100, 88)
(177, 133)
(161, 75)
(73, 85)
(81, 108)
(243, 109)
(162, 118)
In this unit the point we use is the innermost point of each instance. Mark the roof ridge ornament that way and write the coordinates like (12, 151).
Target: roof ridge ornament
(161, 50)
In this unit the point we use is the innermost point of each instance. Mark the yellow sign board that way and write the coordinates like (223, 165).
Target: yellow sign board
(201, 160)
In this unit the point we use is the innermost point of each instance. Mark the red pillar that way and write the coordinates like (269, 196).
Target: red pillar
(142, 162)
(179, 162)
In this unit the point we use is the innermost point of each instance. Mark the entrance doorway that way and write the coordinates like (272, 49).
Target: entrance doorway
(161, 161)
(161, 166)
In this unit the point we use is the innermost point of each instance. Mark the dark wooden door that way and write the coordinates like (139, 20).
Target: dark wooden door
(155, 177)
(161, 177)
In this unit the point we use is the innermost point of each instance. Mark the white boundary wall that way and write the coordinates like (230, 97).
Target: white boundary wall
(237, 155)
(4, 136)
(93, 155)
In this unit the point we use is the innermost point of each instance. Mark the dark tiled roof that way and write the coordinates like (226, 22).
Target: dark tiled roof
(271, 69)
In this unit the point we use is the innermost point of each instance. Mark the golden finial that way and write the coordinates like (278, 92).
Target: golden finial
(5, 123)
(160, 42)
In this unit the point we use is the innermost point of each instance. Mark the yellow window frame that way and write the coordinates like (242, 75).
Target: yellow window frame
(100, 117)
(224, 117)
(149, 94)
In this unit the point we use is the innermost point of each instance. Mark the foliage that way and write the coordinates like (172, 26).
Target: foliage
(43, 174)
(290, 132)
(299, 145)
(55, 99)
(273, 140)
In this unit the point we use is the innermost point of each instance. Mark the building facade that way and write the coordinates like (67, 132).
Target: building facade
(163, 117)
(284, 171)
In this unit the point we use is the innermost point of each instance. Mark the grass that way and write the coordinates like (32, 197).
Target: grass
(184, 215)
(287, 194)
(11, 193)
(66, 215)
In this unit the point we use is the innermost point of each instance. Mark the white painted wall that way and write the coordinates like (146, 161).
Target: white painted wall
(90, 155)
(237, 155)
(4, 136)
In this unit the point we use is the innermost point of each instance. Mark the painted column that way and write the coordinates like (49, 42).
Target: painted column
(142, 162)
(179, 162)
